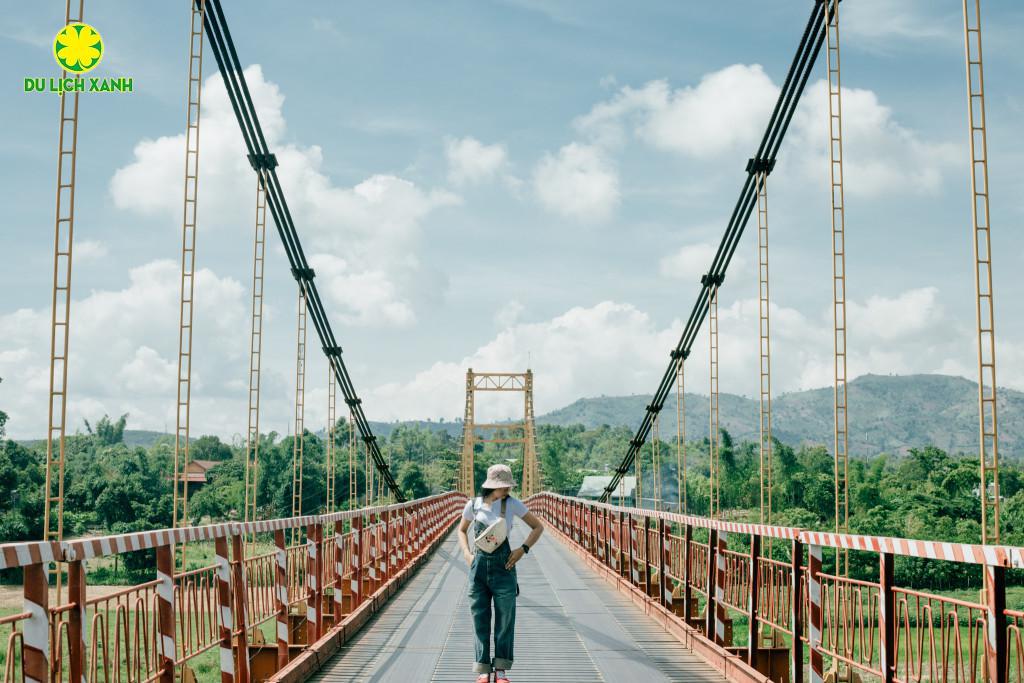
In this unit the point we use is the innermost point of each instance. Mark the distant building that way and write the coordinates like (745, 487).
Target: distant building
(196, 471)
(593, 487)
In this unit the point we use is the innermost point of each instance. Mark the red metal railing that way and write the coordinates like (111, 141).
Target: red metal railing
(168, 628)
(713, 575)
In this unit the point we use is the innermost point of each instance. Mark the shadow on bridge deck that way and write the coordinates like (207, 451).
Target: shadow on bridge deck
(570, 626)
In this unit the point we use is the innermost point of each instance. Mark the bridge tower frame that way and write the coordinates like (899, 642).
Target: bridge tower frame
(988, 423)
(188, 259)
(252, 446)
(838, 202)
(499, 382)
(60, 321)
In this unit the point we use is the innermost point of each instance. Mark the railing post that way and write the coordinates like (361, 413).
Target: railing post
(649, 589)
(240, 591)
(76, 620)
(414, 523)
(225, 612)
(595, 532)
(814, 632)
(664, 532)
(995, 631)
(339, 570)
(357, 549)
(723, 540)
(167, 649)
(634, 575)
(601, 515)
(36, 664)
(687, 578)
(371, 539)
(281, 596)
(887, 615)
(752, 612)
(712, 571)
(796, 608)
(400, 551)
(388, 555)
(314, 581)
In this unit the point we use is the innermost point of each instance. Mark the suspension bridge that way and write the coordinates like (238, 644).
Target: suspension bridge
(377, 591)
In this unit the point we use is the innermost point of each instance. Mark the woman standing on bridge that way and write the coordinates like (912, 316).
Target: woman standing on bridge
(492, 570)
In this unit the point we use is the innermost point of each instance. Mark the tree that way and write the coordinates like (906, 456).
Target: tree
(3, 418)
(209, 448)
(108, 433)
(412, 482)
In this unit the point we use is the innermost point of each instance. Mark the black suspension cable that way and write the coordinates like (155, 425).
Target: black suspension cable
(763, 160)
(264, 162)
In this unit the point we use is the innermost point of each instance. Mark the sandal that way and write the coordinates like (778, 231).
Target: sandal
(502, 679)
(483, 678)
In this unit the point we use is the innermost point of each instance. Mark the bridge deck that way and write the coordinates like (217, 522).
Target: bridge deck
(570, 626)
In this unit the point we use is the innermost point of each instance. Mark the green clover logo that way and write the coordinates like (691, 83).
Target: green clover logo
(78, 48)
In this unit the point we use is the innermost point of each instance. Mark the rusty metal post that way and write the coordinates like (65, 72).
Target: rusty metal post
(401, 541)
(240, 591)
(720, 615)
(167, 647)
(603, 550)
(887, 615)
(753, 627)
(36, 643)
(664, 532)
(76, 620)
(225, 612)
(314, 583)
(357, 549)
(995, 626)
(814, 632)
(281, 597)
(796, 608)
(391, 543)
(633, 573)
(648, 568)
(687, 579)
(382, 545)
(339, 570)
(712, 571)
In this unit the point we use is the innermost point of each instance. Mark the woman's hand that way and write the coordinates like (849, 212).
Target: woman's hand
(468, 556)
(514, 557)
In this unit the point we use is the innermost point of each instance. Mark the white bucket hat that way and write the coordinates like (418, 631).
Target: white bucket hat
(499, 477)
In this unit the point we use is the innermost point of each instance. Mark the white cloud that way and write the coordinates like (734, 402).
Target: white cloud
(726, 110)
(691, 261)
(123, 354)
(471, 161)
(883, 26)
(614, 348)
(582, 352)
(578, 182)
(89, 250)
(880, 156)
(378, 221)
(367, 296)
(508, 315)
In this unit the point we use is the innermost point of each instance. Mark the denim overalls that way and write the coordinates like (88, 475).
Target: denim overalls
(488, 579)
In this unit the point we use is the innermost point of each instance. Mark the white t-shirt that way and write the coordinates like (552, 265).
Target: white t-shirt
(489, 513)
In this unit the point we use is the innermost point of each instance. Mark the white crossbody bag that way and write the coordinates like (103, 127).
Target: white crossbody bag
(494, 535)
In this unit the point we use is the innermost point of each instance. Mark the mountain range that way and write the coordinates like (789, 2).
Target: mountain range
(887, 414)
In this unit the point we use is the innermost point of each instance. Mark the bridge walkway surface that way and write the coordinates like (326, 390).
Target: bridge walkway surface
(571, 626)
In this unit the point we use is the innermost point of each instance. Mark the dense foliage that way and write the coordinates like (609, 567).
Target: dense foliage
(112, 487)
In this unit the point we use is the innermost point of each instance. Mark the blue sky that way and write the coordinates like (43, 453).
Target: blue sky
(502, 183)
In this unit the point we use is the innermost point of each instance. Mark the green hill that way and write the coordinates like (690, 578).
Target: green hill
(886, 414)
